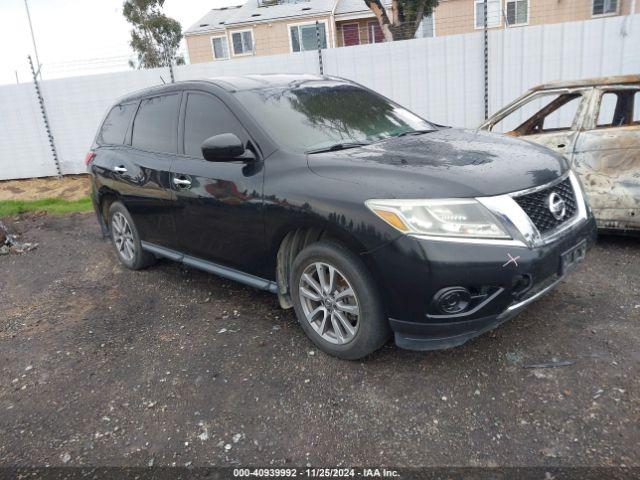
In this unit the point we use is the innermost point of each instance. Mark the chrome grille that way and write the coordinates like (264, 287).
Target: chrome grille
(536, 205)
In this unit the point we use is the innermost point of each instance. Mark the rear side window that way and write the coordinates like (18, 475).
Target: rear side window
(155, 126)
(618, 108)
(205, 117)
(115, 125)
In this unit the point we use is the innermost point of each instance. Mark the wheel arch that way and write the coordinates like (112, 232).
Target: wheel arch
(291, 240)
(106, 197)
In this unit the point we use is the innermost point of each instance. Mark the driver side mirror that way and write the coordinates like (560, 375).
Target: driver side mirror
(223, 147)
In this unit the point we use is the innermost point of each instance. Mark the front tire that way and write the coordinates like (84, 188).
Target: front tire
(337, 302)
(126, 240)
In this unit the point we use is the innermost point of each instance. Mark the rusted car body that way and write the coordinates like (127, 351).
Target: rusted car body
(595, 123)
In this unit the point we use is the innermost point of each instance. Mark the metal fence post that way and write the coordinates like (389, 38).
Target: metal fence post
(45, 118)
(486, 62)
(173, 78)
(319, 47)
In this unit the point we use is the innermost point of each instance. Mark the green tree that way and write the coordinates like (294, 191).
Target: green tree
(155, 37)
(400, 19)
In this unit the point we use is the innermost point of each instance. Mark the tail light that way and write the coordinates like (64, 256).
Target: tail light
(89, 158)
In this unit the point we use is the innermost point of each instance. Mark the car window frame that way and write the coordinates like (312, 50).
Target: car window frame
(578, 121)
(127, 135)
(133, 119)
(182, 124)
(571, 128)
(599, 92)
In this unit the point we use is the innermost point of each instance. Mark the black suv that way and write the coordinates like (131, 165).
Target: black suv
(362, 216)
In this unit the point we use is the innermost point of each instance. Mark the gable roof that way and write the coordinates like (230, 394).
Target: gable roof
(215, 19)
(351, 6)
(253, 12)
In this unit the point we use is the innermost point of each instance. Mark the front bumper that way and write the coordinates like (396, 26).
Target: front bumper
(415, 269)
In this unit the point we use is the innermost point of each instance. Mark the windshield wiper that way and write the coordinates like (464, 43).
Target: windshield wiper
(338, 146)
(412, 132)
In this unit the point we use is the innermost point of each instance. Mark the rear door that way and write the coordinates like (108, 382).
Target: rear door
(111, 147)
(143, 173)
(607, 157)
(219, 214)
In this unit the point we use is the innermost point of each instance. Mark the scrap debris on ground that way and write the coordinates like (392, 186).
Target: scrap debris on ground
(10, 244)
(100, 365)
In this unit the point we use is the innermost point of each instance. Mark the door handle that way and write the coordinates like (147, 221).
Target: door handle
(120, 169)
(181, 182)
(561, 145)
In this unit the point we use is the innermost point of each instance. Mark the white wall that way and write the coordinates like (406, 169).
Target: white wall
(24, 148)
(565, 51)
(440, 78)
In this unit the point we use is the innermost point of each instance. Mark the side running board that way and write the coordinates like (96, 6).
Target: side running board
(225, 272)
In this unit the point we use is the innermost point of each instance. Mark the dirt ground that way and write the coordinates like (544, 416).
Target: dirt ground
(100, 365)
(69, 187)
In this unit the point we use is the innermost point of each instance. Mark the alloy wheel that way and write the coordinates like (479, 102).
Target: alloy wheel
(123, 236)
(329, 303)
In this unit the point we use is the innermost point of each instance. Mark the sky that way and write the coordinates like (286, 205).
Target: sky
(77, 37)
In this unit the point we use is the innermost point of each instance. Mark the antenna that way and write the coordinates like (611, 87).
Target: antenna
(33, 39)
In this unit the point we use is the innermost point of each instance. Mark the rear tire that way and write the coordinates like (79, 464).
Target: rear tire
(337, 302)
(126, 240)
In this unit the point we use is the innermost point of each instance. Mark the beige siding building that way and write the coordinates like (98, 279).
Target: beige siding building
(268, 27)
(463, 16)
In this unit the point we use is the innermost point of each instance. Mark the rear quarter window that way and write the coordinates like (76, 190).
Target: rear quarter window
(114, 127)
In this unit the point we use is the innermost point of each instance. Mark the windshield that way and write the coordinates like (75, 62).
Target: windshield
(317, 115)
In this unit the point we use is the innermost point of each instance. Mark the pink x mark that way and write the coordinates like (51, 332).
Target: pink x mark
(512, 260)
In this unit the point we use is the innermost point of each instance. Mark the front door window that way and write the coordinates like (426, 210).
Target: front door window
(546, 112)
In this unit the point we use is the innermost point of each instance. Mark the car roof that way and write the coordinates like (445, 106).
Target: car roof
(590, 82)
(233, 84)
(257, 82)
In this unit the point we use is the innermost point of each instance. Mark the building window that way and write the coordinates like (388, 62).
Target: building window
(304, 37)
(242, 42)
(350, 34)
(517, 12)
(426, 27)
(220, 48)
(375, 33)
(493, 13)
(604, 7)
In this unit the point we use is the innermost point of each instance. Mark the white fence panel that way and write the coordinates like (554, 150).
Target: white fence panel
(302, 62)
(440, 78)
(24, 146)
(521, 58)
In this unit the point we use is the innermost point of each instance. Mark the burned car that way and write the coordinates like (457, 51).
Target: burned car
(595, 124)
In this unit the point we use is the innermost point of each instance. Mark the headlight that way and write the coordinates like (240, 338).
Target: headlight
(445, 217)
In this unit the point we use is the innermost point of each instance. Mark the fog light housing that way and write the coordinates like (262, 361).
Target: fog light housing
(452, 300)
(521, 285)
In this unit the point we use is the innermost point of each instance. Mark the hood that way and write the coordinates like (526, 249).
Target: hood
(444, 163)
